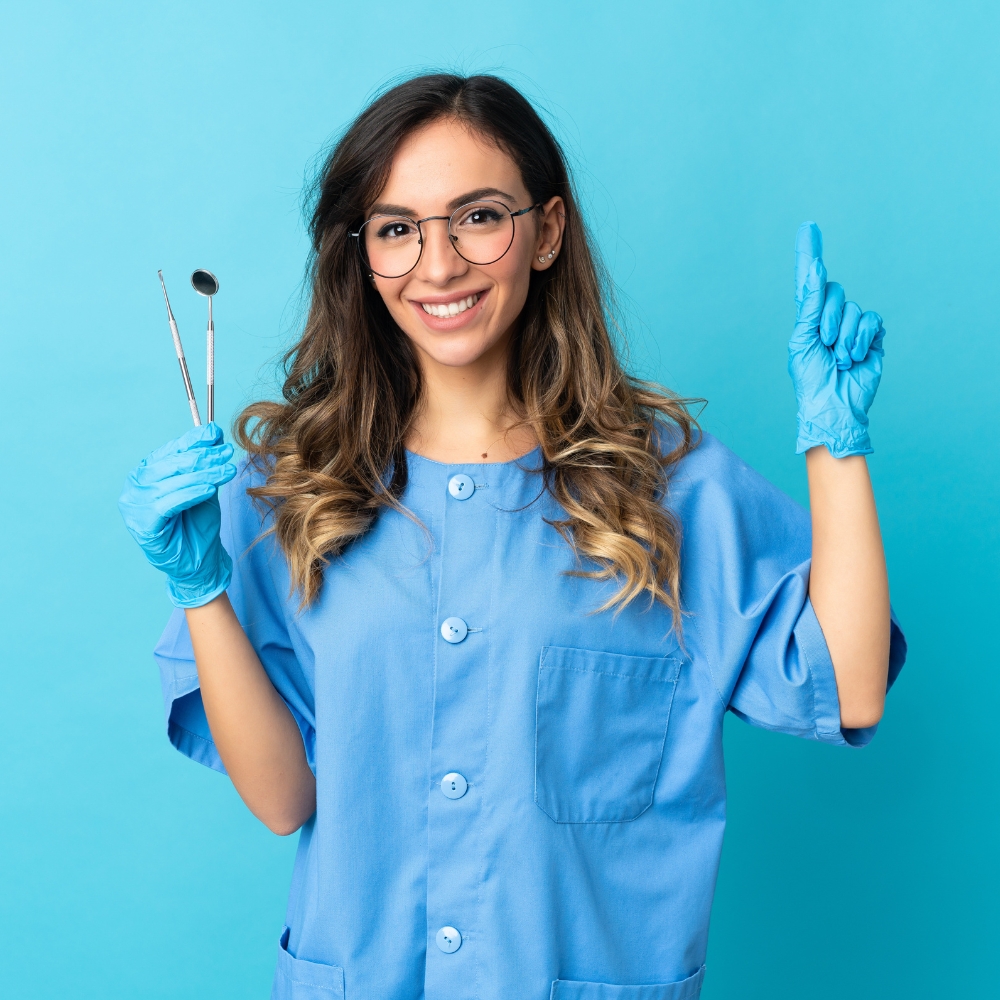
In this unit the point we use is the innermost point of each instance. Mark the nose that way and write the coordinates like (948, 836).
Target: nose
(439, 261)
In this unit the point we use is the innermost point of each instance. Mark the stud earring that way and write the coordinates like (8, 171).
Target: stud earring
(541, 260)
(552, 254)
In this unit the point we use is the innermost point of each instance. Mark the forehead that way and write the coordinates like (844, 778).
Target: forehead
(442, 161)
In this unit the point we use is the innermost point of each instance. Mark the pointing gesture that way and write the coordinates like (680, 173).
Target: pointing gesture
(834, 356)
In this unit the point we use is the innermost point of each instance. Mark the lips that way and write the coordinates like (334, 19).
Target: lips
(446, 314)
(445, 309)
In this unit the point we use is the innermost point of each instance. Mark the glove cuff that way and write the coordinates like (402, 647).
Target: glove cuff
(195, 594)
(810, 435)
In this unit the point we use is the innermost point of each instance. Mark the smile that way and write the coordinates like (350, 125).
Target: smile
(445, 309)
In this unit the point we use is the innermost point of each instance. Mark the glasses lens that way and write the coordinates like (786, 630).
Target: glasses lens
(391, 245)
(482, 231)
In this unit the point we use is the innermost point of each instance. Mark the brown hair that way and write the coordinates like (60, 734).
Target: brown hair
(334, 449)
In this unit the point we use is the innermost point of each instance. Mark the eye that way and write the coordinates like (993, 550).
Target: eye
(395, 229)
(481, 216)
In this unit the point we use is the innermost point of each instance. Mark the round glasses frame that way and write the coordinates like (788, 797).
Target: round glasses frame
(453, 239)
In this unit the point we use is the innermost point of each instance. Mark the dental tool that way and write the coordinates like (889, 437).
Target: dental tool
(179, 350)
(205, 283)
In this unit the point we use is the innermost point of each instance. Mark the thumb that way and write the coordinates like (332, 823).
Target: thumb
(808, 247)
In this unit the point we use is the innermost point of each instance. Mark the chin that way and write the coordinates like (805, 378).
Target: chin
(454, 354)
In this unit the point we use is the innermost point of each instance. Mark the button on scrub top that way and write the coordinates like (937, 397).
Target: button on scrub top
(454, 785)
(585, 847)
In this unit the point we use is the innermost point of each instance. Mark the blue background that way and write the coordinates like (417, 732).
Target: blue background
(137, 136)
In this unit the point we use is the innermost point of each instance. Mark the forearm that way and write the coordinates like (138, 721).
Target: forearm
(848, 584)
(256, 736)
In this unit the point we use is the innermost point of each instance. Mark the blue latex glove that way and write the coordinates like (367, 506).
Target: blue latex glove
(170, 505)
(834, 356)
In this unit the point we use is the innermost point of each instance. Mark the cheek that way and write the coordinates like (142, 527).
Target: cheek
(391, 292)
(512, 273)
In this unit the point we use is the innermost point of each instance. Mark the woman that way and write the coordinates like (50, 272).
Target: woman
(473, 609)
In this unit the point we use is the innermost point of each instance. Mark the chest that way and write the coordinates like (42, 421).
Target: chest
(467, 640)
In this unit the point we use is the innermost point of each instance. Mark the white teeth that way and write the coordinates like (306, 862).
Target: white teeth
(450, 308)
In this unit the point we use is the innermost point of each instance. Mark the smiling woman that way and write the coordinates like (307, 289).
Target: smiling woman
(454, 283)
(436, 619)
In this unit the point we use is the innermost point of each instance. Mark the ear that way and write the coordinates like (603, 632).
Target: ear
(550, 234)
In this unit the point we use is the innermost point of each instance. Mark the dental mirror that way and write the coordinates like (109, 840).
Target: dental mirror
(205, 283)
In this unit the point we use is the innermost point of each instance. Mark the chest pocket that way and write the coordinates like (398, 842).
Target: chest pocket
(600, 726)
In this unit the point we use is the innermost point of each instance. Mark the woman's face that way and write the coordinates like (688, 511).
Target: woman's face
(436, 170)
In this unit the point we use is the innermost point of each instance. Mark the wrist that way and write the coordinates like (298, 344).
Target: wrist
(841, 442)
(205, 587)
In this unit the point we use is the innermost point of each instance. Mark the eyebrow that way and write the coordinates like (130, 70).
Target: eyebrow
(383, 208)
(477, 195)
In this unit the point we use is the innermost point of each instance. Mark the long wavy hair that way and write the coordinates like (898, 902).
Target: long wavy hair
(333, 450)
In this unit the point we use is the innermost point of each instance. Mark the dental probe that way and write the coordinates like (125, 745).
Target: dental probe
(178, 348)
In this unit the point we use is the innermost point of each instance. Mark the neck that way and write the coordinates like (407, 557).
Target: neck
(465, 414)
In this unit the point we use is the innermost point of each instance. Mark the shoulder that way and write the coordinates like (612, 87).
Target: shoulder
(707, 459)
(711, 483)
(710, 460)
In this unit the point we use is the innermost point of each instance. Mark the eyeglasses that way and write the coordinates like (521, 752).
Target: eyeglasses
(481, 233)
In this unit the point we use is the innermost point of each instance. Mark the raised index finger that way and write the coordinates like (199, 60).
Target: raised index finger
(808, 247)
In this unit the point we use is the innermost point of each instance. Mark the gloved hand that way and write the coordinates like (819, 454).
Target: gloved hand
(834, 356)
(170, 505)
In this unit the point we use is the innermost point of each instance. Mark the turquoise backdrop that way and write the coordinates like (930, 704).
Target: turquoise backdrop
(137, 136)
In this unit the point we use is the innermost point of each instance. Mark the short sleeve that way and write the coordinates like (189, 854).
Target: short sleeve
(745, 585)
(259, 593)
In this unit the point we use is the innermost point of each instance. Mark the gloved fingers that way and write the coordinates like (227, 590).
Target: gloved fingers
(808, 247)
(833, 313)
(847, 336)
(869, 327)
(145, 507)
(180, 463)
(204, 436)
(185, 498)
(877, 340)
(158, 492)
(147, 515)
(192, 458)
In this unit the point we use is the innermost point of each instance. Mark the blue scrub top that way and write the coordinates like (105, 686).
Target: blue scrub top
(517, 797)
